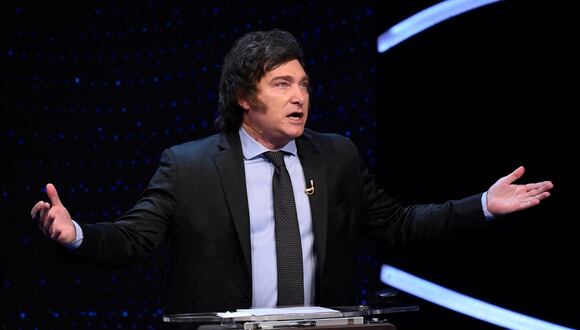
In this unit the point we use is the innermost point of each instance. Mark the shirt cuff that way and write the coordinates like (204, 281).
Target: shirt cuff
(486, 212)
(78, 237)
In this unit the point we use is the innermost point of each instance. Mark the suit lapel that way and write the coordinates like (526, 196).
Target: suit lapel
(315, 170)
(230, 165)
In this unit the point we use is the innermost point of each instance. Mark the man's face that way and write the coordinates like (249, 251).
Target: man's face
(278, 113)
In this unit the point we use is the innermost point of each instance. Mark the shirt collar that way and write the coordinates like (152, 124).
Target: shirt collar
(252, 148)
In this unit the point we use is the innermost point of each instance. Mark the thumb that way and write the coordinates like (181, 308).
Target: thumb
(515, 175)
(52, 195)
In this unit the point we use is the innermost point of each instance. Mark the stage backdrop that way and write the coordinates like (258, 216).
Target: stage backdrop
(464, 103)
(92, 93)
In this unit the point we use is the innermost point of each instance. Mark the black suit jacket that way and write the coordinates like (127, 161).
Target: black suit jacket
(197, 199)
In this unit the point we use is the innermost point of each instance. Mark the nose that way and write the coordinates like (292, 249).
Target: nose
(299, 95)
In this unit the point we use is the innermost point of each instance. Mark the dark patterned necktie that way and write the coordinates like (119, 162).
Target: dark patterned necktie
(288, 243)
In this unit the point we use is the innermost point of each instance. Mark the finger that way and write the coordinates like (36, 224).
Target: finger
(529, 203)
(531, 187)
(54, 233)
(44, 227)
(41, 227)
(533, 201)
(36, 209)
(513, 176)
(55, 236)
(52, 194)
(548, 185)
(543, 196)
(538, 188)
(44, 211)
(44, 220)
(47, 224)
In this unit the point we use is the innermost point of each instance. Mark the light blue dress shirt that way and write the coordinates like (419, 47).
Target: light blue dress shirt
(259, 172)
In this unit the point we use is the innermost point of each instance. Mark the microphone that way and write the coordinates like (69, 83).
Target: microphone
(310, 190)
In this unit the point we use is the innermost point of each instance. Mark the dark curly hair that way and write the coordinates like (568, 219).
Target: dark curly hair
(249, 59)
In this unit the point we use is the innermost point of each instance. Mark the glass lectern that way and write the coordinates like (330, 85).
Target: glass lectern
(344, 317)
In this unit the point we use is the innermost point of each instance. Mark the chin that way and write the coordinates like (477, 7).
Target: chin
(296, 133)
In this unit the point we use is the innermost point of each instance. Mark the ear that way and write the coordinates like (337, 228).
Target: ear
(243, 103)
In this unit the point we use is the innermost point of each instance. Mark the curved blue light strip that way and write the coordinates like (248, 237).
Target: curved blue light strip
(462, 303)
(425, 19)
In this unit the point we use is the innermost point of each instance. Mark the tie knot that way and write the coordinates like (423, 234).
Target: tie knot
(275, 157)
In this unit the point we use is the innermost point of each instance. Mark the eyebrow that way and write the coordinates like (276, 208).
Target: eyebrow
(289, 78)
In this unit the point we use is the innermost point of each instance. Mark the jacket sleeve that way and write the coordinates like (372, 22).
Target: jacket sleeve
(139, 230)
(389, 220)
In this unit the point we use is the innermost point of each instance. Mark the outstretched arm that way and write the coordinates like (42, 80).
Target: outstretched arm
(505, 196)
(53, 218)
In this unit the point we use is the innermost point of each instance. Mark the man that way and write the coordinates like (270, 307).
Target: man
(214, 199)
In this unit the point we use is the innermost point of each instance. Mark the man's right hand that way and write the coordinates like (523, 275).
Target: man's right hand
(53, 219)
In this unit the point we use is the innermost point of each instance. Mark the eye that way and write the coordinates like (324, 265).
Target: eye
(282, 84)
(305, 84)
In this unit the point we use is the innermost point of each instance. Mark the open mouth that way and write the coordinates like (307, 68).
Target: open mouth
(296, 115)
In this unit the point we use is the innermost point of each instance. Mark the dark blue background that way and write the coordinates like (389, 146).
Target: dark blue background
(92, 93)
